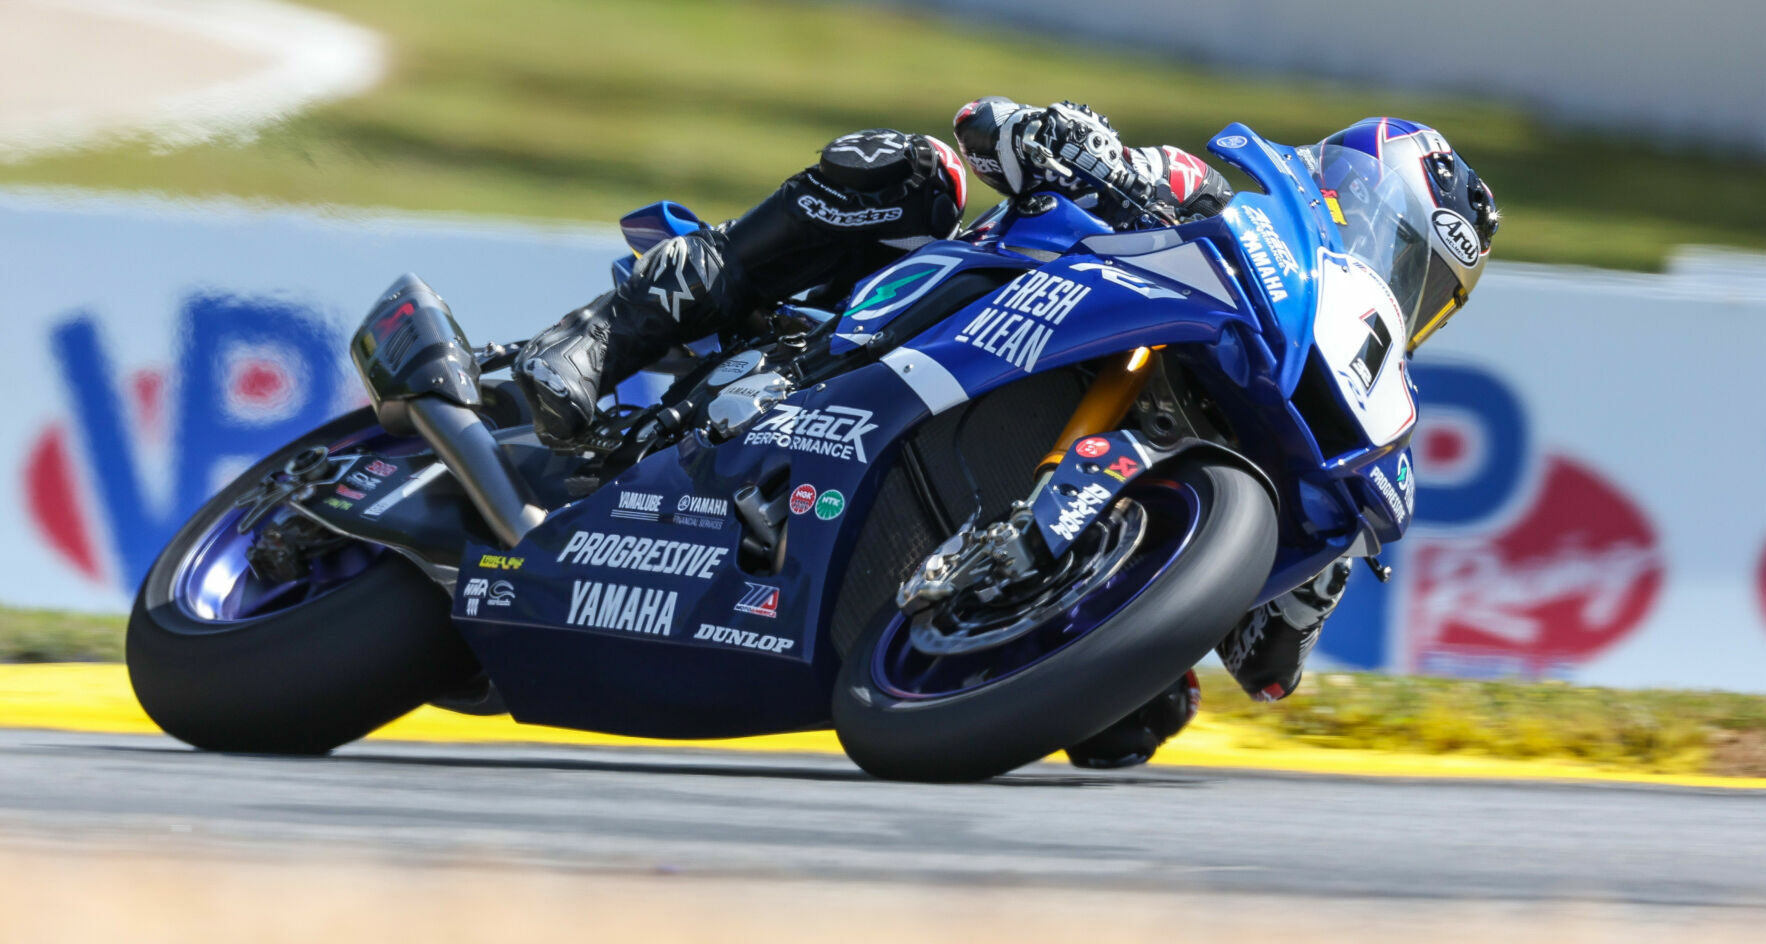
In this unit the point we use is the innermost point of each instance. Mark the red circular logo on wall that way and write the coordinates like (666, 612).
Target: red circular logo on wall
(803, 498)
(1093, 447)
(1573, 574)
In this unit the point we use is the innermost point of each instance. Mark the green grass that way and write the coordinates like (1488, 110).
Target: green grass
(1658, 730)
(49, 636)
(583, 110)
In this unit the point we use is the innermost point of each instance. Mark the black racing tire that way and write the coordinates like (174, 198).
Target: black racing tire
(299, 681)
(1082, 688)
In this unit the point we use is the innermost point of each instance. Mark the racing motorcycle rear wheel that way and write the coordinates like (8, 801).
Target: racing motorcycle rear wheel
(1204, 550)
(226, 660)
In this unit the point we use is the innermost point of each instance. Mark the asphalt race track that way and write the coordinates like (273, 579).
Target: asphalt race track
(781, 818)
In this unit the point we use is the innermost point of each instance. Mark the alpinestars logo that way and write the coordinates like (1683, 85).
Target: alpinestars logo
(819, 210)
(837, 431)
(881, 145)
(759, 600)
(1080, 510)
(669, 252)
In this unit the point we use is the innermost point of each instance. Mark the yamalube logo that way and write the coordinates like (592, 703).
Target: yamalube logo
(1460, 237)
(638, 506)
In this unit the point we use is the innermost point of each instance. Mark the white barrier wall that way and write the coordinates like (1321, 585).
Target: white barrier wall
(157, 348)
(1587, 453)
(1688, 69)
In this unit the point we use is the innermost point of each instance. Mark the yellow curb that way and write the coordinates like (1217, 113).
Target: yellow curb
(97, 698)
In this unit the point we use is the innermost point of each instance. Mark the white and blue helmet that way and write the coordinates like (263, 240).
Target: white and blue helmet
(1462, 210)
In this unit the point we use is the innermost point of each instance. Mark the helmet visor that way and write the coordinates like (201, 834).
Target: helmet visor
(1385, 226)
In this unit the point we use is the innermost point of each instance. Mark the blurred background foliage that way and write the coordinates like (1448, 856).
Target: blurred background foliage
(584, 109)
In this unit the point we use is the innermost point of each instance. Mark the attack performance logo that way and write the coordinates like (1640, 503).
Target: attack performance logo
(1520, 563)
(834, 431)
(141, 447)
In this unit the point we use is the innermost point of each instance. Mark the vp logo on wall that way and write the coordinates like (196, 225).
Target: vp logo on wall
(138, 451)
(1521, 561)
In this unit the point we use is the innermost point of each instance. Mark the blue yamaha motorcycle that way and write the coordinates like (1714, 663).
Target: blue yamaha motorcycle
(1010, 489)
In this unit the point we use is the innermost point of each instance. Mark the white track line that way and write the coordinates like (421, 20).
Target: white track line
(77, 72)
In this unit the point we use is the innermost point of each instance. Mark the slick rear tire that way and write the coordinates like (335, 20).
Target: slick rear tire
(299, 681)
(1085, 686)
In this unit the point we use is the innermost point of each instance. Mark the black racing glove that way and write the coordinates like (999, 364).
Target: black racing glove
(1084, 141)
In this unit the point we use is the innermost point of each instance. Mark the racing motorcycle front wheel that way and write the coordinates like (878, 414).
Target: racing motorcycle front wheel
(1150, 587)
(227, 659)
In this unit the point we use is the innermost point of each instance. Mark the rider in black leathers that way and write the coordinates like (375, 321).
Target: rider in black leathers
(873, 196)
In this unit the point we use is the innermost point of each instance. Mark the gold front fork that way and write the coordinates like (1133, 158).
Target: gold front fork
(1103, 406)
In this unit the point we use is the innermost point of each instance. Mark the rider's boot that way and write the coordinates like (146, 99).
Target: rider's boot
(1133, 739)
(1267, 651)
(678, 291)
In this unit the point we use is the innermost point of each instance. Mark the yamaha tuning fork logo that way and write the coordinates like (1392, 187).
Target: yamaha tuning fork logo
(1522, 561)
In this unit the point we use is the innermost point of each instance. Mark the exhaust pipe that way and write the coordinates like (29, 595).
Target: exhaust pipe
(465, 445)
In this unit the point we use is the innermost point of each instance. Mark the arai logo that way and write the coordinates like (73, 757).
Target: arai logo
(1457, 234)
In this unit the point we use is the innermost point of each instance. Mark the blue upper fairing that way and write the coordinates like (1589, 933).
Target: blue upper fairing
(1043, 235)
(1277, 236)
(1084, 305)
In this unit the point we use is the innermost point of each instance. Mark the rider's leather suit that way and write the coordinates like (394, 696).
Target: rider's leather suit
(873, 196)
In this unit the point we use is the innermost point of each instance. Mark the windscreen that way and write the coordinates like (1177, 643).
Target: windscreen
(1381, 221)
